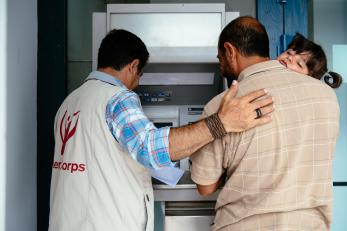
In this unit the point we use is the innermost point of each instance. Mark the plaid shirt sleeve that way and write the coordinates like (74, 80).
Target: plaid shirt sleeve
(136, 134)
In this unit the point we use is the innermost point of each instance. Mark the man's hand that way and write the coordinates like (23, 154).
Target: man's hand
(239, 114)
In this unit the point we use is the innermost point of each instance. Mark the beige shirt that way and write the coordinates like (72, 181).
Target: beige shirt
(280, 174)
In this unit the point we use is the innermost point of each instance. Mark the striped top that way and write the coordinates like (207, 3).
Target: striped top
(132, 129)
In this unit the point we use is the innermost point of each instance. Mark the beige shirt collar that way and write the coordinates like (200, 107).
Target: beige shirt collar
(260, 67)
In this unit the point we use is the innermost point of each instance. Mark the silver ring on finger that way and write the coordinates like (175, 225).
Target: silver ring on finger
(259, 114)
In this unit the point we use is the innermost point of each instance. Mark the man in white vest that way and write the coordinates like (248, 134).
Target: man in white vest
(105, 145)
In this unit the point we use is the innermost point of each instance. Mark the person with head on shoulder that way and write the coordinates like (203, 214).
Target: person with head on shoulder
(277, 176)
(308, 58)
(106, 148)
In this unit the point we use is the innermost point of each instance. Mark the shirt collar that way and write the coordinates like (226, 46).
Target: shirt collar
(102, 76)
(260, 67)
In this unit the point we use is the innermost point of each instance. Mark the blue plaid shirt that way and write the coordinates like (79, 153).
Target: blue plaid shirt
(132, 129)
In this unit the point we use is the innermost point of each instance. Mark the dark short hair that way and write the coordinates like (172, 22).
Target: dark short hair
(248, 35)
(317, 62)
(121, 47)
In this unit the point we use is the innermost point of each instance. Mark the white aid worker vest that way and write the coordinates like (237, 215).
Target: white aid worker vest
(95, 184)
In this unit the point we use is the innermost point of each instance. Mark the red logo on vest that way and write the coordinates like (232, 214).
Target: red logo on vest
(67, 132)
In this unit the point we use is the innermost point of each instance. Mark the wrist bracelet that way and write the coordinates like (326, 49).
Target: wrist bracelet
(215, 126)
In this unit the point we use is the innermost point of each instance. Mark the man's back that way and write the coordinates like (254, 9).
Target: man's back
(95, 184)
(280, 174)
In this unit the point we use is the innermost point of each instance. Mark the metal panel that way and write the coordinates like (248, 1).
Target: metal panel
(164, 8)
(191, 215)
(191, 223)
(185, 190)
(197, 78)
(181, 193)
(230, 16)
(173, 51)
(77, 73)
(99, 32)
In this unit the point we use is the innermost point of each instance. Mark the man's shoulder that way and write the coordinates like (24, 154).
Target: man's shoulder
(213, 105)
(281, 79)
(315, 87)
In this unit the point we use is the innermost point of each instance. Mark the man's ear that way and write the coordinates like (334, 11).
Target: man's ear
(134, 65)
(230, 50)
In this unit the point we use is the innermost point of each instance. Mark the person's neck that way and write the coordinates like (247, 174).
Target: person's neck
(251, 60)
(114, 73)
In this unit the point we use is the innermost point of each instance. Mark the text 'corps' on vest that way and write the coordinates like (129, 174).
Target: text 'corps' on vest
(72, 167)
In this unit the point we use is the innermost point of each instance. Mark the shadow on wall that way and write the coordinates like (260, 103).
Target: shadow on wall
(51, 91)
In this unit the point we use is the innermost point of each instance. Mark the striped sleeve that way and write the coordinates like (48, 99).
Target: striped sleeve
(136, 133)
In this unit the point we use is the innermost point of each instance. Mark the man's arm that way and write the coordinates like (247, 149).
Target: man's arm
(206, 190)
(236, 115)
(135, 133)
(155, 148)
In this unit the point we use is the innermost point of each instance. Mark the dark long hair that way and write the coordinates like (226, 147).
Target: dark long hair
(317, 63)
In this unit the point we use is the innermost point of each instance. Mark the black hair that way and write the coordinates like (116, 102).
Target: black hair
(333, 79)
(317, 62)
(248, 35)
(121, 47)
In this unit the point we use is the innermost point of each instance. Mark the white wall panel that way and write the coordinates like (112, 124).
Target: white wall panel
(2, 113)
(21, 110)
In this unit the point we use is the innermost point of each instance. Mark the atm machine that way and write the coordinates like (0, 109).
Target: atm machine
(181, 77)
